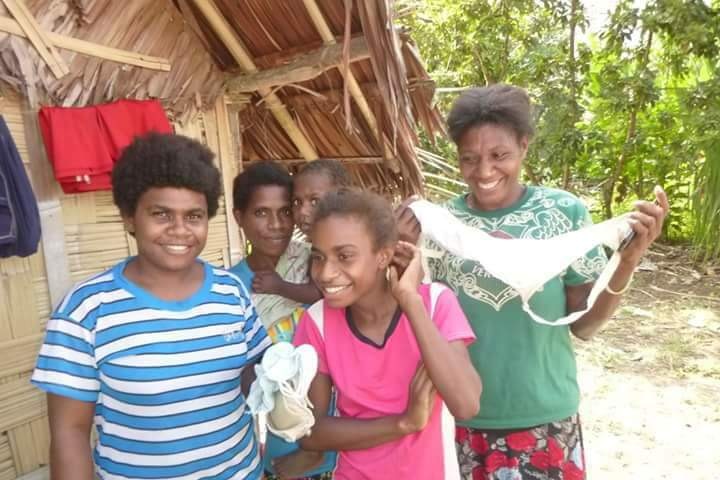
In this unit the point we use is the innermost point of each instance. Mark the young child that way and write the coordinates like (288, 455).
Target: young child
(388, 345)
(277, 271)
(152, 350)
(315, 180)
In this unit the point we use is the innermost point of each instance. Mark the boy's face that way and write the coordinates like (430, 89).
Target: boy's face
(267, 221)
(308, 189)
(170, 227)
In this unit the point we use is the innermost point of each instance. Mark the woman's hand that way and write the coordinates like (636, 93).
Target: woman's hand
(401, 257)
(420, 402)
(408, 226)
(647, 222)
(404, 286)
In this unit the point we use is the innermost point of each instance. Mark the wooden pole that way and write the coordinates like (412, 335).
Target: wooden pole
(37, 37)
(348, 160)
(329, 39)
(301, 69)
(239, 52)
(8, 25)
(229, 168)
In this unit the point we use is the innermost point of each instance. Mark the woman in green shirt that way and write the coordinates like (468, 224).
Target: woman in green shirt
(528, 426)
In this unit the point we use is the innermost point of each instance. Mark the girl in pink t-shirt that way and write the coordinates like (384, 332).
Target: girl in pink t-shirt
(395, 350)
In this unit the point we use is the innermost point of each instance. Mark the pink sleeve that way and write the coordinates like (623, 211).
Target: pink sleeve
(307, 333)
(450, 319)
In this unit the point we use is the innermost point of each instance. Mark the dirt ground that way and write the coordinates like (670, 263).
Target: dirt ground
(651, 379)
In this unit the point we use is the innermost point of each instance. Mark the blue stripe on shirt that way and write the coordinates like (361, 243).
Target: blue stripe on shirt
(161, 422)
(169, 471)
(74, 393)
(150, 374)
(167, 398)
(175, 446)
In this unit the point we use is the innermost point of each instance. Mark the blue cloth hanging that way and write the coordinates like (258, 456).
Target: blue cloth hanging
(19, 216)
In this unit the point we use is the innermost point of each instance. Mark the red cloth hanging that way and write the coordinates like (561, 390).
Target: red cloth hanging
(77, 148)
(83, 143)
(123, 120)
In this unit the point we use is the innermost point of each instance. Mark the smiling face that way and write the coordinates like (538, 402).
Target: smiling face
(490, 158)
(346, 263)
(267, 220)
(308, 189)
(170, 226)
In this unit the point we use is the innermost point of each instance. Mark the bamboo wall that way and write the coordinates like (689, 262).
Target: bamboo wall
(94, 239)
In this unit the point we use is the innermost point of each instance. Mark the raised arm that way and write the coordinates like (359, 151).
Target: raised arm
(447, 362)
(647, 221)
(408, 226)
(70, 425)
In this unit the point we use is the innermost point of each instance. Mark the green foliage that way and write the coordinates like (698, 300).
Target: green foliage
(706, 203)
(618, 111)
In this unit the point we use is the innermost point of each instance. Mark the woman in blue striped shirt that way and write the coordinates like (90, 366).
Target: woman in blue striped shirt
(155, 350)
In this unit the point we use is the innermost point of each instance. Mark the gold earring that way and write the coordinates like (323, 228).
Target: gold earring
(387, 273)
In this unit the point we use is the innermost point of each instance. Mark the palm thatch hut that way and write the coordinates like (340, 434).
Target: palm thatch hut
(290, 80)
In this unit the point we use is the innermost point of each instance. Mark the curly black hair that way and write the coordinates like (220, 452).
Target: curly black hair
(162, 160)
(334, 169)
(372, 209)
(257, 175)
(500, 104)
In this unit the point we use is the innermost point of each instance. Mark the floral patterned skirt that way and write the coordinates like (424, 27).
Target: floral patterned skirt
(547, 452)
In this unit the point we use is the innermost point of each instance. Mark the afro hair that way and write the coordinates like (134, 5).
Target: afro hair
(161, 160)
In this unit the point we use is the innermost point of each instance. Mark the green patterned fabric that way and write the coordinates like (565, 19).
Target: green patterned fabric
(528, 370)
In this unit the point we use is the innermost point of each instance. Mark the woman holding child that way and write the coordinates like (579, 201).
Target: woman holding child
(393, 351)
(268, 203)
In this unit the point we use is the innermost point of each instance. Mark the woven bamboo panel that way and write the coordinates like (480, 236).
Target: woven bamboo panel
(25, 456)
(18, 354)
(40, 288)
(22, 313)
(7, 466)
(21, 279)
(41, 436)
(24, 307)
(20, 403)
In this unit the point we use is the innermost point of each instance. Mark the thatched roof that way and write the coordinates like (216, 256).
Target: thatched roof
(288, 87)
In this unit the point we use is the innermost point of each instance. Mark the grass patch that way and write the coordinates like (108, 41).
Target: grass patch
(675, 353)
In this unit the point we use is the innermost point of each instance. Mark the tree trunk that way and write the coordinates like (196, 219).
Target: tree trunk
(640, 184)
(617, 170)
(532, 176)
(609, 190)
(573, 90)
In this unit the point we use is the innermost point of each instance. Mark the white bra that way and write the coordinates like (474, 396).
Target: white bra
(508, 259)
